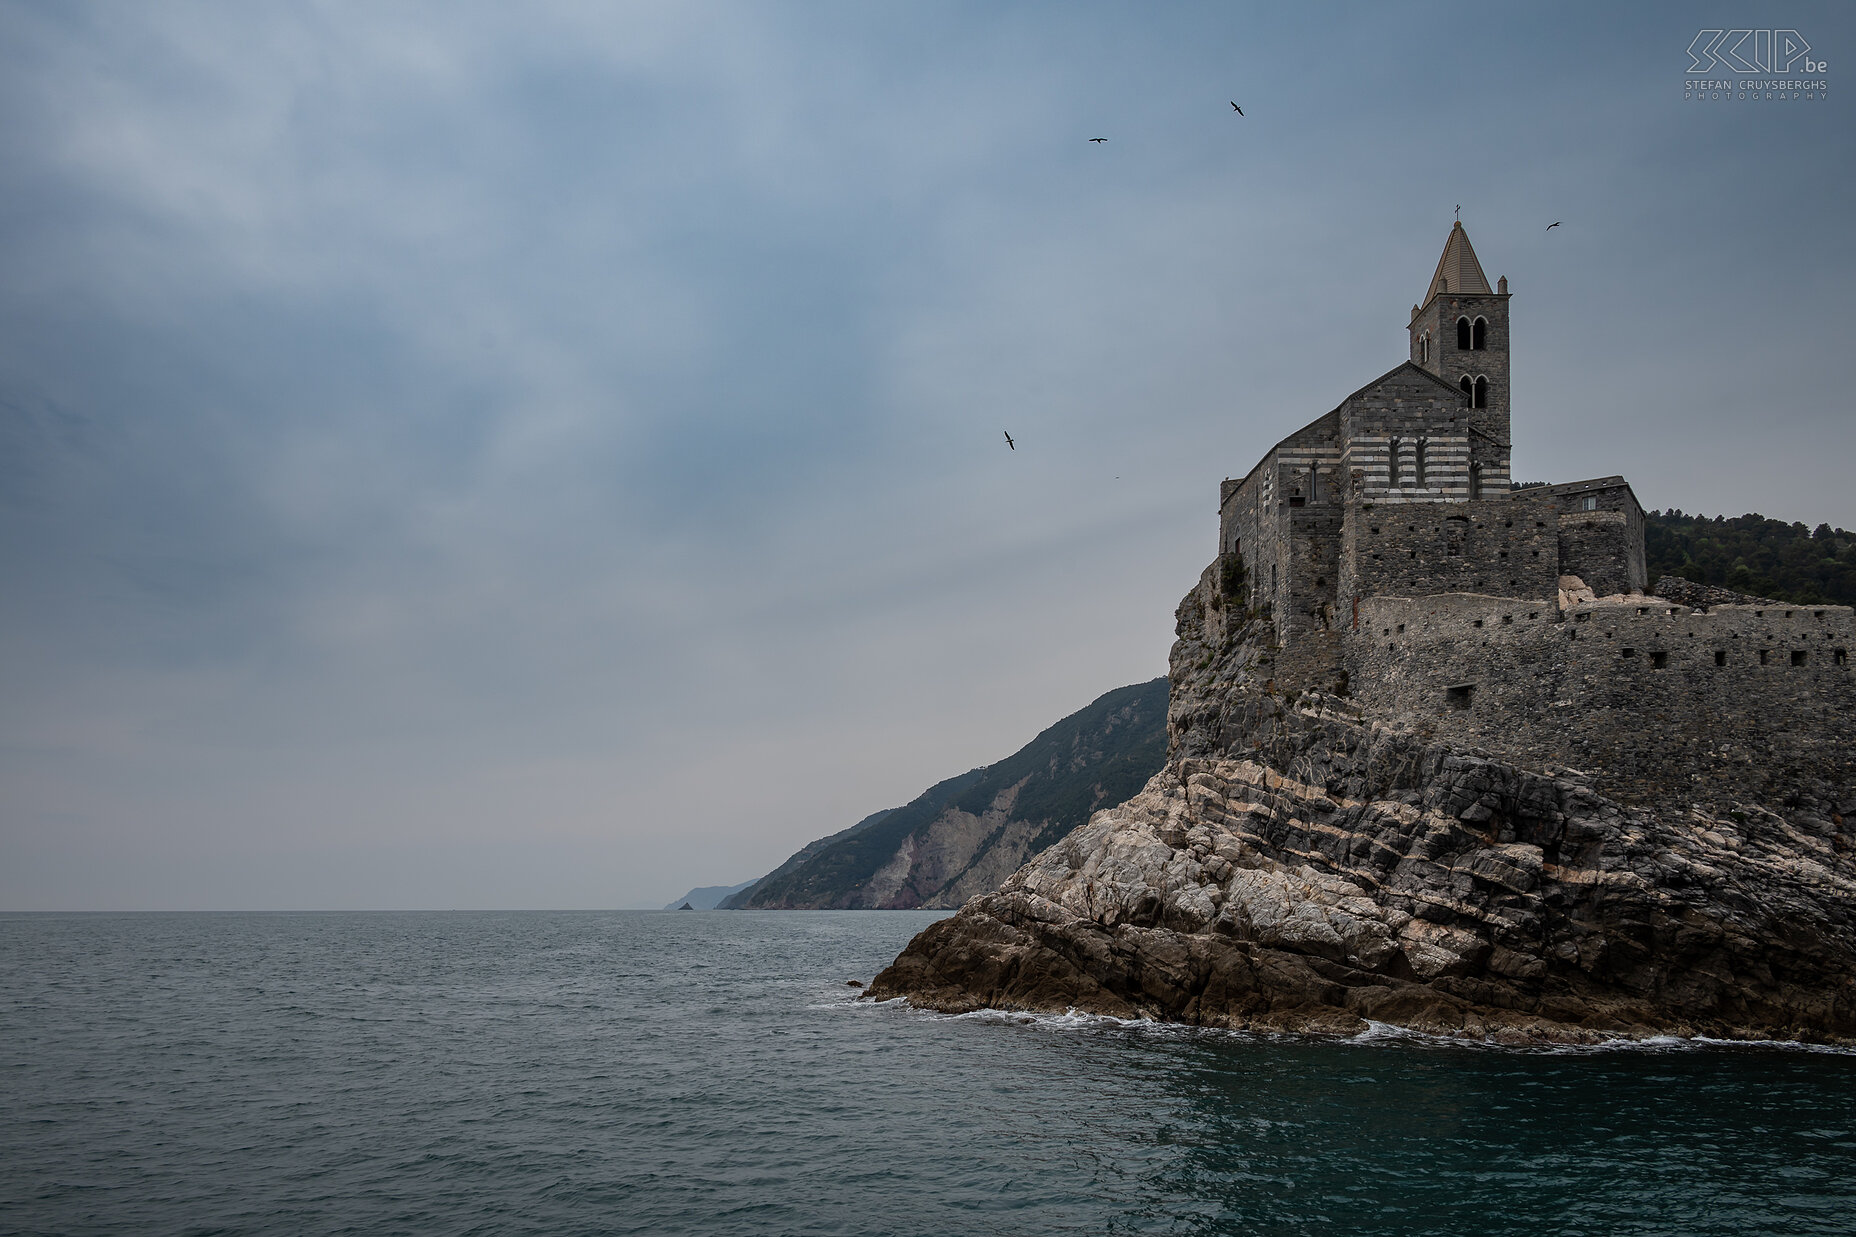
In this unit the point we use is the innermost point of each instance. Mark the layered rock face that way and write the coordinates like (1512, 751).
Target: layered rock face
(1300, 864)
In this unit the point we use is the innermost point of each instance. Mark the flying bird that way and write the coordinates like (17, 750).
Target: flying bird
(1098, 139)
(1009, 442)
(1554, 224)
(1239, 111)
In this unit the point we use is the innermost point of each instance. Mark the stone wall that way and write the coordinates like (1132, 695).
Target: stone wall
(1308, 625)
(1507, 547)
(1742, 703)
(1601, 533)
(1595, 546)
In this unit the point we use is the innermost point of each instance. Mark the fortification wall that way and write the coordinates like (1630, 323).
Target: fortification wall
(1505, 547)
(1739, 704)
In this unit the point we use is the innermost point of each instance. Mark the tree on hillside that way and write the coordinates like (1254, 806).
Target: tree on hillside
(1752, 554)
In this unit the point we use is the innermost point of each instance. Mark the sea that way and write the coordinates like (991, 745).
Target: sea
(715, 1073)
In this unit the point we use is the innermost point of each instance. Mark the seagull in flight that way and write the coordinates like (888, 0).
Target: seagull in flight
(1098, 139)
(1239, 111)
(1554, 224)
(1009, 442)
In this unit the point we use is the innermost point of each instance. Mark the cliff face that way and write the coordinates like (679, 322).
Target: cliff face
(966, 835)
(1302, 864)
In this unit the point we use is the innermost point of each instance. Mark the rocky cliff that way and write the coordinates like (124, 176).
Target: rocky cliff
(967, 834)
(1300, 864)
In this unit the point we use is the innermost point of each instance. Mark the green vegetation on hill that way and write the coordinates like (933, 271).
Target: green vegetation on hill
(1095, 758)
(1752, 554)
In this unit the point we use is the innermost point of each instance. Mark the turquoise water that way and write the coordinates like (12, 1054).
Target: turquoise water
(709, 1073)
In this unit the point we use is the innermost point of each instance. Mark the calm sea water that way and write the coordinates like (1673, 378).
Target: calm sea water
(667, 1073)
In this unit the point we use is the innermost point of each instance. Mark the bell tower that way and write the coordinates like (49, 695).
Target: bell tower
(1460, 333)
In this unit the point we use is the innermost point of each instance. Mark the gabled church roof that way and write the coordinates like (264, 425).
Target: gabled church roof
(1390, 374)
(1458, 270)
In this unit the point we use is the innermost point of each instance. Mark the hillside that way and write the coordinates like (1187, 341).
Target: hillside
(967, 834)
(1752, 554)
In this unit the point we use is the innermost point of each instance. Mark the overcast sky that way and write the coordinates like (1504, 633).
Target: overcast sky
(551, 455)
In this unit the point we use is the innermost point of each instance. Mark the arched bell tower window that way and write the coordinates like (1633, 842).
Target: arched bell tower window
(1479, 334)
(1479, 398)
(1462, 335)
(1424, 348)
(1469, 388)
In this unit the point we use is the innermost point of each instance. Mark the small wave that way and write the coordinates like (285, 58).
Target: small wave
(1386, 1033)
(1074, 1020)
(1376, 1034)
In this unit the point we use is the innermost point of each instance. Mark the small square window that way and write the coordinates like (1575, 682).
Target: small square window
(1720, 657)
(1659, 661)
(1798, 657)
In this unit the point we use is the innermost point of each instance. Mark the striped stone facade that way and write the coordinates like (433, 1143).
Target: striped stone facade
(1403, 490)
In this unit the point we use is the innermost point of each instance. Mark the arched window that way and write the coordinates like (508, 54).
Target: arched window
(1462, 334)
(1480, 399)
(1424, 348)
(1479, 334)
(1420, 464)
(1475, 481)
(1392, 477)
(1469, 388)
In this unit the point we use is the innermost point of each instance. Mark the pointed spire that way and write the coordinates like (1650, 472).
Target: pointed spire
(1458, 270)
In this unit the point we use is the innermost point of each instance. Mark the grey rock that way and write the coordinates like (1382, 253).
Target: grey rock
(1318, 867)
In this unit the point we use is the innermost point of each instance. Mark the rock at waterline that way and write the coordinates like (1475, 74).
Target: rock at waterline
(1303, 864)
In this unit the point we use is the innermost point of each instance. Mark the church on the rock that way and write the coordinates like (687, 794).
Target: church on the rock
(1400, 568)
(1404, 491)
